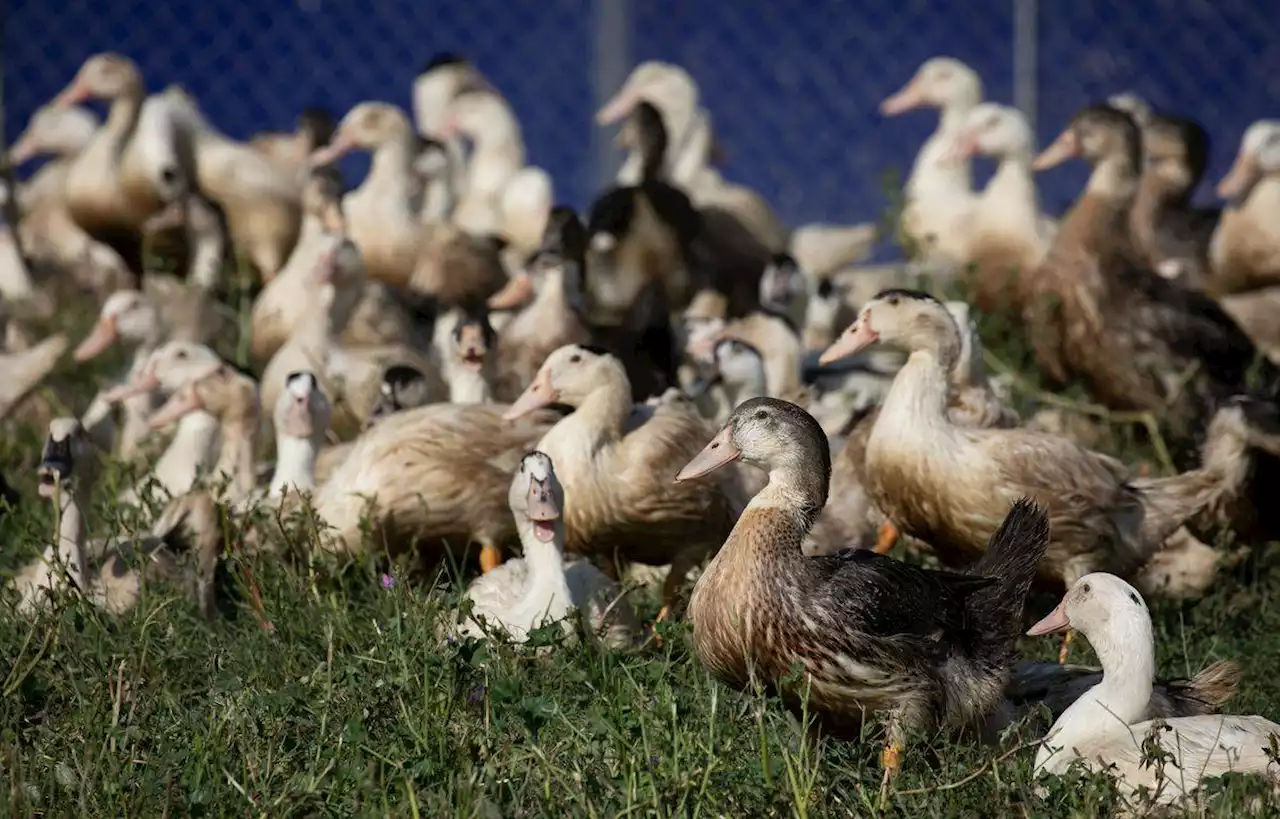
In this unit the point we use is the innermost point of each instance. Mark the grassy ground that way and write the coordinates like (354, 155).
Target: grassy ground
(350, 705)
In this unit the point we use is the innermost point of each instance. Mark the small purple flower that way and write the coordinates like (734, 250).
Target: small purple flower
(388, 582)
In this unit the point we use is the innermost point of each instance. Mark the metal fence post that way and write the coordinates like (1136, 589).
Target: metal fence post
(612, 61)
(1025, 14)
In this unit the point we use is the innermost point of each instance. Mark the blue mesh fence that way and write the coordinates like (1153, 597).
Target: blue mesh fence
(792, 88)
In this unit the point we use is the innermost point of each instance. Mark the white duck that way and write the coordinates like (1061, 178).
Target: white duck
(939, 192)
(525, 593)
(1103, 728)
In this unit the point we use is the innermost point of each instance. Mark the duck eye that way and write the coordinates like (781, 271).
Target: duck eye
(182, 355)
(575, 358)
(1085, 588)
(761, 414)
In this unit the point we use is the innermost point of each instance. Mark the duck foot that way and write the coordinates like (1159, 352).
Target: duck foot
(886, 538)
(490, 558)
(891, 761)
(663, 613)
(1066, 644)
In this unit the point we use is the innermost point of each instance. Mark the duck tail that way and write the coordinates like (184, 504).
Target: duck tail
(1013, 553)
(1205, 693)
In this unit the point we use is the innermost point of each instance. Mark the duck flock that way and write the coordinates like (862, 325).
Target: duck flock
(443, 365)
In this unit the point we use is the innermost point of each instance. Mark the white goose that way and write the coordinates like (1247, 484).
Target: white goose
(1104, 729)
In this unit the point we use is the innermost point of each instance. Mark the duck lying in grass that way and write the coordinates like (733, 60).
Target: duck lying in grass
(1103, 729)
(525, 593)
(932, 648)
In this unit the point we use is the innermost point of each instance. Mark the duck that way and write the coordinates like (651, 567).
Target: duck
(948, 484)
(232, 398)
(1138, 341)
(127, 316)
(313, 129)
(671, 91)
(182, 549)
(485, 119)
(444, 76)
(1105, 728)
(350, 373)
(938, 192)
(22, 371)
(380, 216)
(468, 362)
(195, 442)
(1244, 253)
(49, 236)
(436, 475)
(542, 586)
(260, 198)
(133, 165)
(614, 463)
(1172, 236)
(547, 296)
(1008, 235)
(301, 416)
(932, 648)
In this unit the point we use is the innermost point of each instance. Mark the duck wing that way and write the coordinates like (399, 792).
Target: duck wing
(886, 597)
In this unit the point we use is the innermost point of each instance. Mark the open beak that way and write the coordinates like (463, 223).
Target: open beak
(538, 394)
(713, 456)
(298, 422)
(1241, 178)
(1065, 147)
(543, 509)
(1054, 621)
(73, 94)
(852, 341)
(332, 152)
(517, 291)
(702, 348)
(104, 334)
(616, 108)
(179, 404)
(909, 98)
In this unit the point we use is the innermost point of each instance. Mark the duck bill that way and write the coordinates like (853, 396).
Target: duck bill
(542, 501)
(142, 384)
(538, 394)
(1053, 622)
(616, 108)
(857, 338)
(73, 94)
(104, 334)
(908, 99)
(22, 151)
(1065, 147)
(175, 408)
(517, 291)
(332, 152)
(713, 456)
(964, 147)
(1241, 178)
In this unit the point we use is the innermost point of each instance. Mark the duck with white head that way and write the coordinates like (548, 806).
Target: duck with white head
(1103, 729)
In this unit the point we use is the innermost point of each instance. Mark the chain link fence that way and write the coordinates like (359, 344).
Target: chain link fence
(792, 89)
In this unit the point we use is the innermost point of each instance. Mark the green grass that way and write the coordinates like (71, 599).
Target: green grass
(352, 706)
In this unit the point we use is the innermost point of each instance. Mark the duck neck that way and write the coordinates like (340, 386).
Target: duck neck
(608, 406)
(122, 117)
(547, 591)
(235, 461)
(1114, 179)
(918, 395)
(295, 465)
(933, 167)
(1120, 700)
(1012, 191)
(189, 451)
(497, 155)
(468, 386)
(209, 248)
(73, 530)
(391, 170)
